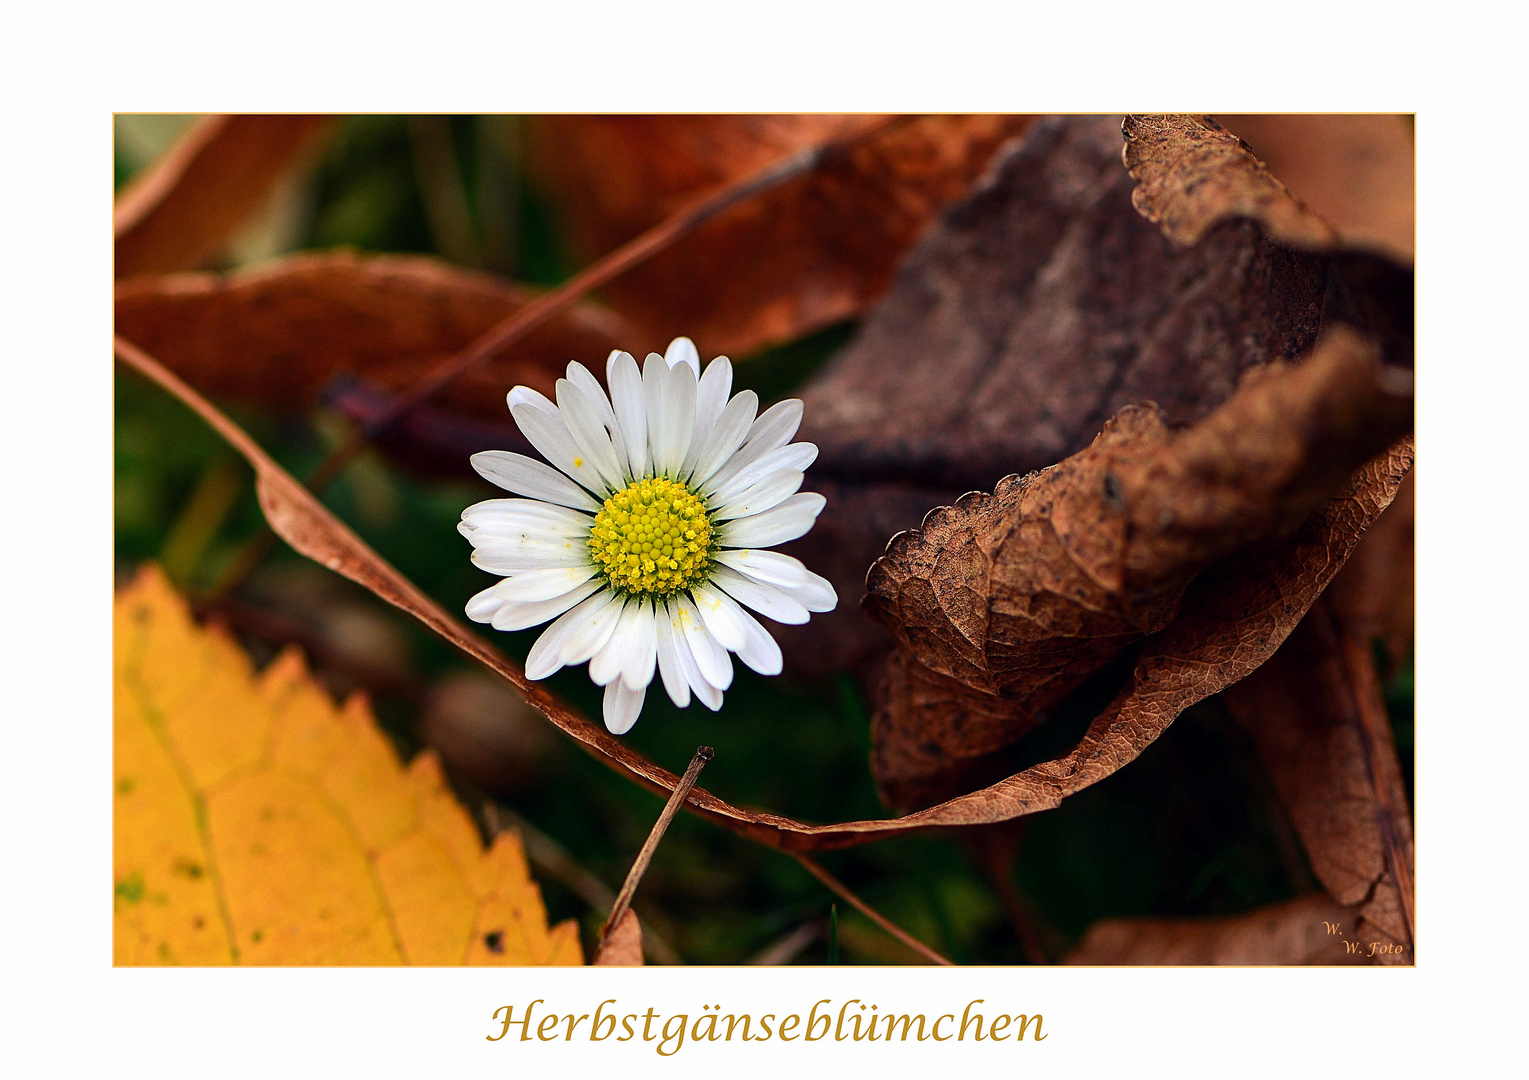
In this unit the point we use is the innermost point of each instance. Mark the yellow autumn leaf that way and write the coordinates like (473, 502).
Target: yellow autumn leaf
(256, 822)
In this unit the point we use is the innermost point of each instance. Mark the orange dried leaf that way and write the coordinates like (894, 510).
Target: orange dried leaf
(811, 253)
(186, 206)
(256, 822)
(276, 334)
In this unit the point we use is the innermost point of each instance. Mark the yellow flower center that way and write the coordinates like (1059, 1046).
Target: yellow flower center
(653, 537)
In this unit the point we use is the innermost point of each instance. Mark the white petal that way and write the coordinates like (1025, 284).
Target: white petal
(545, 657)
(608, 662)
(520, 616)
(669, 667)
(683, 351)
(527, 476)
(727, 435)
(771, 491)
(770, 567)
(551, 437)
(631, 414)
(785, 573)
(592, 636)
(771, 431)
(506, 518)
(637, 672)
(783, 458)
(655, 381)
(524, 395)
(534, 586)
(814, 594)
(585, 380)
(670, 432)
(790, 519)
(622, 706)
(711, 658)
(482, 605)
(516, 556)
(708, 693)
(765, 599)
(738, 630)
(583, 421)
(711, 396)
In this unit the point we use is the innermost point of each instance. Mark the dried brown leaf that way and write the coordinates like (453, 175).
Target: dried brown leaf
(1335, 774)
(1357, 171)
(1002, 605)
(1031, 312)
(186, 207)
(1375, 592)
(622, 945)
(1192, 174)
(813, 253)
(1297, 931)
(279, 333)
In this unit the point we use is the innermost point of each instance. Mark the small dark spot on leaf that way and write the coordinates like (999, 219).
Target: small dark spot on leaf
(494, 940)
(130, 889)
(125, 785)
(257, 936)
(1112, 494)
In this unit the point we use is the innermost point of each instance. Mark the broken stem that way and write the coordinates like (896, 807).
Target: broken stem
(703, 754)
(842, 890)
(553, 860)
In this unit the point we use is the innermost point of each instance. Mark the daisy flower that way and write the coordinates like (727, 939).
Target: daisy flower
(644, 539)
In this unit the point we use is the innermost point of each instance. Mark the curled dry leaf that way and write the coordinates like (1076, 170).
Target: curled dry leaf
(622, 946)
(1032, 311)
(1336, 775)
(1306, 930)
(1002, 605)
(1165, 687)
(279, 333)
(1375, 592)
(184, 208)
(1357, 171)
(1191, 174)
(256, 822)
(810, 254)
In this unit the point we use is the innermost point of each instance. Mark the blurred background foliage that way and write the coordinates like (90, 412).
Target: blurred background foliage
(1192, 827)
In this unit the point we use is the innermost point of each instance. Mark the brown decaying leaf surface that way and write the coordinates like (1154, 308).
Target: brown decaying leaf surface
(1374, 595)
(277, 334)
(1293, 932)
(1031, 312)
(1340, 784)
(1357, 171)
(256, 822)
(183, 209)
(811, 254)
(1192, 174)
(622, 946)
(1003, 605)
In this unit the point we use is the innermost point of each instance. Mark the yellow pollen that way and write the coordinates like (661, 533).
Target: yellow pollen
(652, 537)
